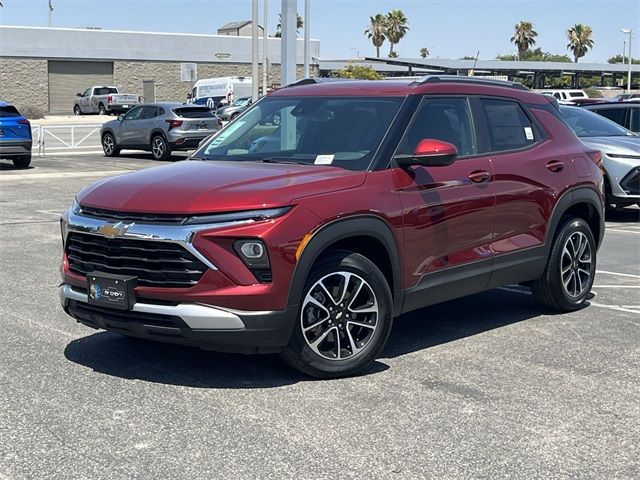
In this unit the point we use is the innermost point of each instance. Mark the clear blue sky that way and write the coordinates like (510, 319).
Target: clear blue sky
(450, 29)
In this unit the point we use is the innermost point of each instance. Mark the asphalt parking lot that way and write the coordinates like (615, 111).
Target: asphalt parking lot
(484, 387)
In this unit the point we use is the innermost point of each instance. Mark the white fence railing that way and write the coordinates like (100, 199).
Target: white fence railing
(65, 138)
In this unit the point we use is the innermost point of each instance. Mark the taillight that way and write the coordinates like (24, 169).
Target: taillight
(596, 156)
(109, 99)
(24, 121)
(174, 123)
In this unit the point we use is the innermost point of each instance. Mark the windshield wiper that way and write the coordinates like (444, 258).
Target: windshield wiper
(282, 160)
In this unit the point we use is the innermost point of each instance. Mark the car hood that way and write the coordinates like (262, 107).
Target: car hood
(192, 187)
(629, 145)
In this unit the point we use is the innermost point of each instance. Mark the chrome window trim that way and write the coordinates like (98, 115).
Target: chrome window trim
(180, 234)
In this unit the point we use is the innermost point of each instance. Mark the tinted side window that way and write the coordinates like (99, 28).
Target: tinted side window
(447, 119)
(509, 127)
(616, 114)
(134, 114)
(149, 112)
(8, 111)
(635, 120)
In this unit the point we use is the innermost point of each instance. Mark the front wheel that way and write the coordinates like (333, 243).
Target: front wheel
(344, 319)
(109, 146)
(77, 111)
(159, 148)
(568, 277)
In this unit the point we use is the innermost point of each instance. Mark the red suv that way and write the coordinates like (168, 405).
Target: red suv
(327, 209)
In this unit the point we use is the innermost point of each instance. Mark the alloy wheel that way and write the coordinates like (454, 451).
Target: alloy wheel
(158, 147)
(576, 264)
(339, 316)
(107, 144)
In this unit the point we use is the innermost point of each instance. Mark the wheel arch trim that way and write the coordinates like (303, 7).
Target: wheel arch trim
(368, 225)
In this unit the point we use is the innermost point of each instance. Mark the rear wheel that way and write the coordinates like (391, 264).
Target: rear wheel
(568, 277)
(77, 110)
(22, 162)
(109, 146)
(159, 148)
(344, 319)
(102, 110)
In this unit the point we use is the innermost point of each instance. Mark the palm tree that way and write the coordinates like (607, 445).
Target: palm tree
(299, 25)
(524, 37)
(397, 28)
(376, 31)
(579, 40)
(424, 52)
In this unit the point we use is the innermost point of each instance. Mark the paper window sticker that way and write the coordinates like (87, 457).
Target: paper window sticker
(528, 132)
(324, 159)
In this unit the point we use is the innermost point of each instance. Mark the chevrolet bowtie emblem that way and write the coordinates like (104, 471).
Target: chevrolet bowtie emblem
(113, 230)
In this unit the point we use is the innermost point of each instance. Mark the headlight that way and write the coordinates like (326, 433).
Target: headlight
(251, 215)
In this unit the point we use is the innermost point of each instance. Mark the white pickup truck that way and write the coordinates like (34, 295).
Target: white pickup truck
(104, 100)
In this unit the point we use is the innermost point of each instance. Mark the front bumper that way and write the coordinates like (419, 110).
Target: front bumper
(203, 326)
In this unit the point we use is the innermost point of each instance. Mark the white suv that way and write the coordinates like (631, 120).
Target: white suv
(566, 95)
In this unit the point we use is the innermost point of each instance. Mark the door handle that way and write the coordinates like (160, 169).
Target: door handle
(555, 165)
(479, 176)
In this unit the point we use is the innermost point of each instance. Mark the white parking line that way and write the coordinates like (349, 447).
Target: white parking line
(616, 286)
(50, 212)
(44, 176)
(619, 274)
(621, 231)
(618, 308)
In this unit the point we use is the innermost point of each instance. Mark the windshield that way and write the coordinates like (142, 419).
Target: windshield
(339, 131)
(241, 102)
(588, 124)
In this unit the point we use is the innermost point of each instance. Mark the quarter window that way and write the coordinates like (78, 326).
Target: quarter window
(447, 119)
(509, 127)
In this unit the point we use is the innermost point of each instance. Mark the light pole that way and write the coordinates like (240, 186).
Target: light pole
(628, 31)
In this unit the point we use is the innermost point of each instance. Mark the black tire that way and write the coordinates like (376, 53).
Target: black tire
(550, 289)
(159, 148)
(234, 115)
(339, 331)
(102, 110)
(22, 162)
(76, 110)
(109, 145)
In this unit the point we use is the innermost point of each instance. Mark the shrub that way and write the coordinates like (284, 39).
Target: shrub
(593, 92)
(365, 72)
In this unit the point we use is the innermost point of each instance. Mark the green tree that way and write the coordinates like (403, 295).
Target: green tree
(424, 52)
(397, 28)
(536, 55)
(299, 25)
(580, 41)
(524, 37)
(376, 31)
(618, 59)
(364, 72)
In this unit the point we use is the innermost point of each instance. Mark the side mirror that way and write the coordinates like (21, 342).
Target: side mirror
(429, 153)
(121, 117)
(79, 94)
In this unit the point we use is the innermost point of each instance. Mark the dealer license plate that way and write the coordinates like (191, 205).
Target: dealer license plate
(113, 291)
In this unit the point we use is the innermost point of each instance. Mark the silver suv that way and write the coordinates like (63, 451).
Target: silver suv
(159, 128)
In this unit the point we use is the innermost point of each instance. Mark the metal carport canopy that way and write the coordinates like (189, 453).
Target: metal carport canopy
(510, 66)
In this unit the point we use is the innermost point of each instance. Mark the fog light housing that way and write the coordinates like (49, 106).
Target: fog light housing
(254, 255)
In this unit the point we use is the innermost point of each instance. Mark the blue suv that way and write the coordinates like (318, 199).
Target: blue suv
(15, 136)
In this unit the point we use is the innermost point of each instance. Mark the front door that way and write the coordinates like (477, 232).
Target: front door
(448, 211)
(129, 127)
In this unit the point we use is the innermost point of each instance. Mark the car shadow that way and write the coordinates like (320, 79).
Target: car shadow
(457, 319)
(156, 362)
(130, 358)
(629, 214)
(8, 166)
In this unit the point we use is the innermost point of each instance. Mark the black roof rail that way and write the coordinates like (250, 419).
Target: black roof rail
(463, 79)
(317, 80)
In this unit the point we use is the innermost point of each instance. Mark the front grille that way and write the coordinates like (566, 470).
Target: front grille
(156, 264)
(155, 218)
(631, 182)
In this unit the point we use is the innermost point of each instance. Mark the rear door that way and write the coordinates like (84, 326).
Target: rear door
(530, 172)
(448, 211)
